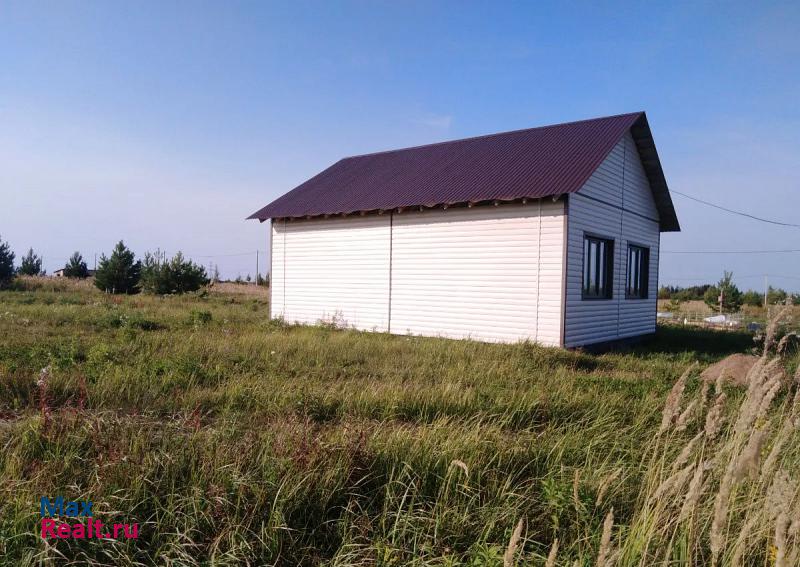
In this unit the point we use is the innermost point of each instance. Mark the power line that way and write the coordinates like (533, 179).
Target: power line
(709, 278)
(250, 253)
(740, 213)
(786, 251)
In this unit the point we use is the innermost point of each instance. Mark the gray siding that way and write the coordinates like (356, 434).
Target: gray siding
(617, 203)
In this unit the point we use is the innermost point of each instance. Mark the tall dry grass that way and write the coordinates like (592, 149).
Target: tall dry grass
(720, 481)
(233, 440)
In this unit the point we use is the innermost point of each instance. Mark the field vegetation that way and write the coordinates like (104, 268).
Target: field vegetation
(234, 440)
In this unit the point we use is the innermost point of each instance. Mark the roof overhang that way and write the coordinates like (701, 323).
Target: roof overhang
(655, 174)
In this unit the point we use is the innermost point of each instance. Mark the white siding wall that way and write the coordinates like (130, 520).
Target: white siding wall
(487, 273)
(477, 273)
(615, 203)
(326, 269)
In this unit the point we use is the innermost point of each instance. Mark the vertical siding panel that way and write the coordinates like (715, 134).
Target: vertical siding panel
(597, 208)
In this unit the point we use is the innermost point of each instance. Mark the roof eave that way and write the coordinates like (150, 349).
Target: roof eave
(648, 154)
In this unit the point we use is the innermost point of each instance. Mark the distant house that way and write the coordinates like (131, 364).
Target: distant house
(60, 273)
(548, 234)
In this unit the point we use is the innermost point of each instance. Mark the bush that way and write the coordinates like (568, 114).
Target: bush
(6, 263)
(120, 273)
(31, 264)
(176, 276)
(776, 296)
(76, 267)
(753, 298)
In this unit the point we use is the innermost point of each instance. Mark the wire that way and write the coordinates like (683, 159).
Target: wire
(787, 251)
(740, 213)
(711, 278)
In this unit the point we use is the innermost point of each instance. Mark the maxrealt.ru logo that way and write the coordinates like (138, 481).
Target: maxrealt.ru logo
(88, 529)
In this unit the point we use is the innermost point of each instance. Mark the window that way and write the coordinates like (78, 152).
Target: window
(638, 270)
(598, 267)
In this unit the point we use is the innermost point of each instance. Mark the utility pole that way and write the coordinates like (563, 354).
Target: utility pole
(256, 268)
(766, 293)
(95, 261)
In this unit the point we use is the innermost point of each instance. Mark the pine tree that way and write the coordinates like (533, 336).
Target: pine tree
(177, 275)
(31, 264)
(731, 296)
(76, 267)
(119, 273)
(6, 263)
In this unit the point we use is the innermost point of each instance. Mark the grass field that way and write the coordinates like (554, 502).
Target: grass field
(231, 439)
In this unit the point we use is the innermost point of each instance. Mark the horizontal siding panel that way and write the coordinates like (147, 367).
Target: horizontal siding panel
(479, 273)
(335, 270)
(619, 183)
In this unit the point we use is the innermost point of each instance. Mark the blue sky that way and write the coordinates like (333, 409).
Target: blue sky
(166, 123)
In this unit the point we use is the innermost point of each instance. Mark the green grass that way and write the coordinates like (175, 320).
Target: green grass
(232, 439)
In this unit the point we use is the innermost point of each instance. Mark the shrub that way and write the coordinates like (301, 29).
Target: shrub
(6, 263)
(120, 273)
(753, 298)
(178, 275)
(776, 296)
(199, 318)
(31, 264)
(76, 267)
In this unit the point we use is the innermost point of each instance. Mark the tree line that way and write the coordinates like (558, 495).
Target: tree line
(732, 298)
(119, 273)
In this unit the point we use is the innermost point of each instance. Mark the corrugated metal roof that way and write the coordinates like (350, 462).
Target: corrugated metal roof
(532, 163)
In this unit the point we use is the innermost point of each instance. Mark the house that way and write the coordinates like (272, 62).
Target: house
(59, 273)
(548, 234)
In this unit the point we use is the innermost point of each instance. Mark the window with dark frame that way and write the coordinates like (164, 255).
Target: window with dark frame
(638, 271)
(598, 267)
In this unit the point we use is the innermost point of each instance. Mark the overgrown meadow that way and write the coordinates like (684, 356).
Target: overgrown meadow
(234, 440)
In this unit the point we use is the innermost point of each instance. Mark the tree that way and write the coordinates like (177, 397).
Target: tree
(31, 264)
(731, 296)
(120, 273)
(176, 276)
(753, 298)
(76, 267)
(6, 263)
(776, 296)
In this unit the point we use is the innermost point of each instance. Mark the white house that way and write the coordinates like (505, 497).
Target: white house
(548, 234)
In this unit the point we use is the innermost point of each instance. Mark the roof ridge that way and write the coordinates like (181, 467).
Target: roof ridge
(482, 136)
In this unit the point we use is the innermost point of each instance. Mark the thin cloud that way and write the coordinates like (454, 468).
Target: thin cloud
(438, 121)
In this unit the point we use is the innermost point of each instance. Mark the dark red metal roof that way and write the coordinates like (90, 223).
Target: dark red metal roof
(532, 163)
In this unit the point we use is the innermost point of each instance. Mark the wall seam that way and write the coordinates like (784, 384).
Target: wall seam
(538, 272)
(285, 237)
(391, 251)
(622, 255)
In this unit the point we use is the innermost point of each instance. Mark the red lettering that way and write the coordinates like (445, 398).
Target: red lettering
(78, 531)
(64, 530)
(48, 528)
